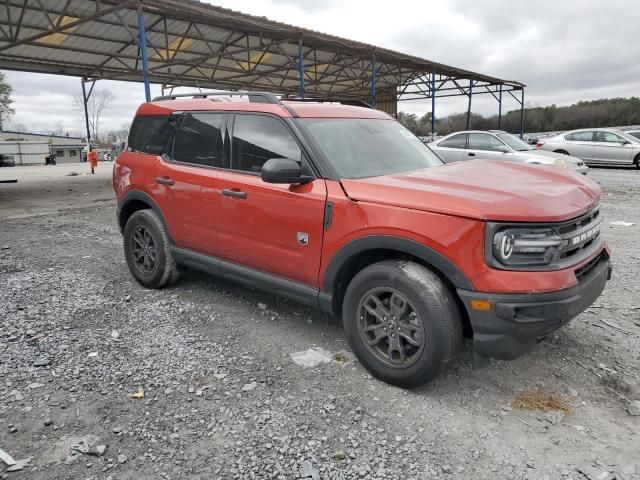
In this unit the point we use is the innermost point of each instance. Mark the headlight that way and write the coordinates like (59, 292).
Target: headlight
(561, 162)
(526, 246)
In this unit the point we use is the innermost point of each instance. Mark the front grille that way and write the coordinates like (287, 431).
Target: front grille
(587, 268)
(580, 233)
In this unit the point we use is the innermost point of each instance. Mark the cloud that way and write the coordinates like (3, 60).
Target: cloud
(564, 51)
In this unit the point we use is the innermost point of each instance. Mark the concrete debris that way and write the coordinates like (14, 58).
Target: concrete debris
(596, 472)
(307, 470)
(622, 224)
(6, 458)
(312, 357)
(41, 362)
(249, 387)
(115, 334)
(20, 464)
(634, 408)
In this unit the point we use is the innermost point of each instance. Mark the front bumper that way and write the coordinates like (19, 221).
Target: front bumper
(516, 322)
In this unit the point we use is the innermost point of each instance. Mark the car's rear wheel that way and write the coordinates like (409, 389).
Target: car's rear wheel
(146, 249)
(402, 322)
(637, 161)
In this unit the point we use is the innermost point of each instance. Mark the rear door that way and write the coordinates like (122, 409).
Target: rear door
(487, 147)
(581, 144)
(611, 148)
(186, 181)
(274, 228)
(452, 149)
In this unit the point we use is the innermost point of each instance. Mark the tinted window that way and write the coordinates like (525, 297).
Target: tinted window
(198, 140)
(149, 133)
(457, 141)
(608, 137)
(258, 138)
(483, 141)
(579, 137)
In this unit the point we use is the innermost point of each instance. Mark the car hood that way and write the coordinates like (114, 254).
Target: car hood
(548, 155)
(484, 190)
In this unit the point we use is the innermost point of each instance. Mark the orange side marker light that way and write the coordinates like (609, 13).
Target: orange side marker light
(481, 305)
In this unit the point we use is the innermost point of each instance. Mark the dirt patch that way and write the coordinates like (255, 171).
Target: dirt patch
(540, 400)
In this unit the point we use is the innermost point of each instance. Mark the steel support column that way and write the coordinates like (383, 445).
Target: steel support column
(469, 106)
(373, 81)
(142, 40)
(301, 66)
(500, 108)
(522, 114)
(433, 104)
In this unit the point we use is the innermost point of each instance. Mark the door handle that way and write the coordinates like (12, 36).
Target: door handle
(164, 181)
(471, 154)
(234, 193)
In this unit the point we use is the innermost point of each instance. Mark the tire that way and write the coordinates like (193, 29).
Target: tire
(146, 249)
(403, 288)
(563, 152)
(637, 162)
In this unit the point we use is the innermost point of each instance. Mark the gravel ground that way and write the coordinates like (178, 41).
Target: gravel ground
(222, 398)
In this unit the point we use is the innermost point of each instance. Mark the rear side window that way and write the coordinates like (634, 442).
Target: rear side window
(258, 138)
(149, 133)
(579, 137)
(198, 140)
(483, 141)
(457, 141)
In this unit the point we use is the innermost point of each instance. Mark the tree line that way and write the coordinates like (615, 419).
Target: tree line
(606, 112)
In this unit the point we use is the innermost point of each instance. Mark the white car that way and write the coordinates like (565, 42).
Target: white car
(499, 145)
(596, 146)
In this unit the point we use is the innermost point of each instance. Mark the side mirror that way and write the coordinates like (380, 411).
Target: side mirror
(504, 149)
(283, 170)
(625, 142)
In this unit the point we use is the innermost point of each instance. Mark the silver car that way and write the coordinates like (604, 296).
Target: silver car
(596, 146)
(498, 145)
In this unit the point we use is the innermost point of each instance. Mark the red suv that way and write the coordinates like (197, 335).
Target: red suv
(340, 207)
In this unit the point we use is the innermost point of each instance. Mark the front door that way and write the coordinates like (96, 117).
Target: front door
(487, 147)
(274, 228)
(612, 148)
(187, 174)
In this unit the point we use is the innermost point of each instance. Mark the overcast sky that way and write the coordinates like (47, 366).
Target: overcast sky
(565, 51)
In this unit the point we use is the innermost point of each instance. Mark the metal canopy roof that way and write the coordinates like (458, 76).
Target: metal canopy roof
(191, 43)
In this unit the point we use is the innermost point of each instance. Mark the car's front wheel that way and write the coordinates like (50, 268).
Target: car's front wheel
(146, 249)
(402, 322)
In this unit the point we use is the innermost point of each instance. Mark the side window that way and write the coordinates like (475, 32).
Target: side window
(258, 138)
(608, 137)
(149, 133)
(457, 141)
(198, 140)
(483, 141)
(579, 137)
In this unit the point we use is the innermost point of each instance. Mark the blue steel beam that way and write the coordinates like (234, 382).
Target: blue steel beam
(522, 115)
(85, 98)
(433, 104)
(373, 81)
(500, 109)
(469, 106)
(143, 53)
(301, 66)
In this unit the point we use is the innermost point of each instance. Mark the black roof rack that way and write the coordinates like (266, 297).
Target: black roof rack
(254, 97)
(344, 101)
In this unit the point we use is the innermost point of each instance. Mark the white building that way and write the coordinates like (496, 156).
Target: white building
(31, 148)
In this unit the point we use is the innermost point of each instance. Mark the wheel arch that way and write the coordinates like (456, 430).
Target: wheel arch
(365, 251)
(133, 201)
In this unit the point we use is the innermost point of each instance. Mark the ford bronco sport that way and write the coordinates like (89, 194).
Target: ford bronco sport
(340, 207)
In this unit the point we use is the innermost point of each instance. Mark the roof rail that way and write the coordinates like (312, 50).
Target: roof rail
(343, 101)
(254, 97)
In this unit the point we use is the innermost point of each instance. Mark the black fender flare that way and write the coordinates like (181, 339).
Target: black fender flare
(139, 195)
(389, 242)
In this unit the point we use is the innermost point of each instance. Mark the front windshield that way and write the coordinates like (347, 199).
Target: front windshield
(515, 143)
(360, 148)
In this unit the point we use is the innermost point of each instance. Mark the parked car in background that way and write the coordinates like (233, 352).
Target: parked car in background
(498, 145)
(342, 208)
(7, 161)
(596, 146)
(634, 133)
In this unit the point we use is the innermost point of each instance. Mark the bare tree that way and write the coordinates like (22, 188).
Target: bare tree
(5, 100)
(97, 103)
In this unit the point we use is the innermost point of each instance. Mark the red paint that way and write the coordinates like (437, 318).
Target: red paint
(444, 208)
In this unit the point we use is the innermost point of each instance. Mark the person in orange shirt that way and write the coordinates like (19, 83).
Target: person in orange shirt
(92, 158)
